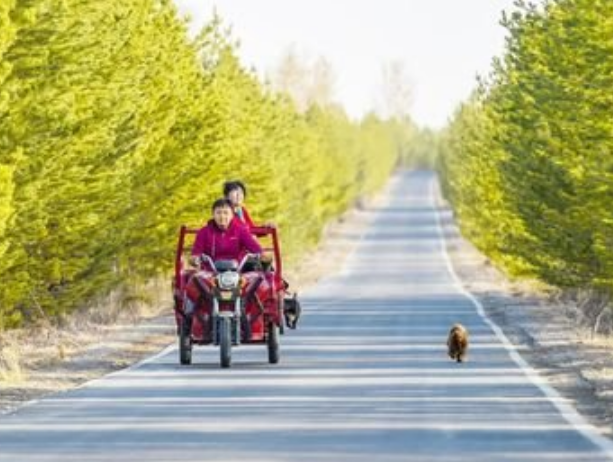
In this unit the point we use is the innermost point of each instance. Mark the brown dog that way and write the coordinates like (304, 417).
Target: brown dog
(457, 342)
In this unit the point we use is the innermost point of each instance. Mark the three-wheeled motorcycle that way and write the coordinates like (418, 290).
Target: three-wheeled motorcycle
(227, 303)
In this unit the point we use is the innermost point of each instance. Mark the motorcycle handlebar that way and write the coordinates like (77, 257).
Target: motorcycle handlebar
(245, 259)
(204, 258)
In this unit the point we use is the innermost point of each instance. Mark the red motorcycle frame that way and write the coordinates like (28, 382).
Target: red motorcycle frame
(228, 303)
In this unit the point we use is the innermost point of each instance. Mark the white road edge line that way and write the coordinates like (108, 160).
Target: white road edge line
(142, 362)
(572, 416)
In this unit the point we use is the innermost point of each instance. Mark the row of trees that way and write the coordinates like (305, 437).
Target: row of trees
(115, 128)
(528, 161)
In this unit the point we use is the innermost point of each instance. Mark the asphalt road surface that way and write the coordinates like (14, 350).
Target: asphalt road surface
(365, 378)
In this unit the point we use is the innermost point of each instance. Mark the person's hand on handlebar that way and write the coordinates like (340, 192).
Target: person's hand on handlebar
(194, 261)
(266, 257)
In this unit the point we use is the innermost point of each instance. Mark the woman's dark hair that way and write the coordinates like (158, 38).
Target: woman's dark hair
(230, 186)
(220, 203)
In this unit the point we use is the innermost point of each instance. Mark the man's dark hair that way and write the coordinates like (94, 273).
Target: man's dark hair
(220, 203)
(230, 186)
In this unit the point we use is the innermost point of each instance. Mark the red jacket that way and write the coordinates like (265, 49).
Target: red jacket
(230, 244)
(241, 214)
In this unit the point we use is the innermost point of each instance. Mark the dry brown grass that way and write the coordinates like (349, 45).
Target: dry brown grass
(11, 370)
(47, 344)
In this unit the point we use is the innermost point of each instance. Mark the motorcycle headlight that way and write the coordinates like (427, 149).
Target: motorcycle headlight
(228, 280)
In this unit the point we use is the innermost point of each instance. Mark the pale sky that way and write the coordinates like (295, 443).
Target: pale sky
(444, 44)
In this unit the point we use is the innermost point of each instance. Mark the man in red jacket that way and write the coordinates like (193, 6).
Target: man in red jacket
(223, 238)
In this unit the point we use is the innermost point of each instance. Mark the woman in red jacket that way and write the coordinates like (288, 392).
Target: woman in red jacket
(235, 192)
(223, 238)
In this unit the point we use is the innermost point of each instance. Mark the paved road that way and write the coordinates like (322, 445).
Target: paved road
(365, 379)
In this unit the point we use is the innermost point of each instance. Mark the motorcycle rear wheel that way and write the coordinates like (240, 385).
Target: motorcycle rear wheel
(272, 343)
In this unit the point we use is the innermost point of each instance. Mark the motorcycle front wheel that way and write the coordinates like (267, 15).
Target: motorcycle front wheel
(185, 343)
(225, 341)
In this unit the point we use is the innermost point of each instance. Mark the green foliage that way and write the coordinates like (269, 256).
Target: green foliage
(527, 162)
(115, 129)
(421, 147)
